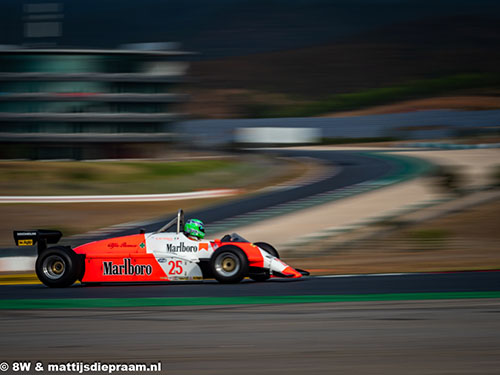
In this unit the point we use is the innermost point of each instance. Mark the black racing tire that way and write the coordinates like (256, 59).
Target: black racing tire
(58, 267)
(92, 283)
(269, 248)
(229, 264)
(265, 274)
(260, 277)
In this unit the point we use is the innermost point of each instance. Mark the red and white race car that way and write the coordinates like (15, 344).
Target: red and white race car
(165, 255)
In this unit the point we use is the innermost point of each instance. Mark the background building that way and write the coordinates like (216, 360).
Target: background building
(88, 103)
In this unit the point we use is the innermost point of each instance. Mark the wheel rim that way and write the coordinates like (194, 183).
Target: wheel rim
(53, 267)
(227, 264)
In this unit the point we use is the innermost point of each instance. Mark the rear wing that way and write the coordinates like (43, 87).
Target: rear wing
(40, 236)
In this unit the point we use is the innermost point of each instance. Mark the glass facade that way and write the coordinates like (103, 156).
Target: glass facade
(73, 101)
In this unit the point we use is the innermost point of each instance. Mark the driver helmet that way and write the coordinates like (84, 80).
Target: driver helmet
(194, 228)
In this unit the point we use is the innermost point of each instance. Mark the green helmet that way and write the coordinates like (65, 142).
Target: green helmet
(194, 228)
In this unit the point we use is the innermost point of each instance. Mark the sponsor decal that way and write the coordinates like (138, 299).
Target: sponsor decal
(112, 245)
(197, 278)
(24, 242)
(142, 245)
(26, 233)
(181, 248)
(126, 269)
(203, 246)
(161, 260)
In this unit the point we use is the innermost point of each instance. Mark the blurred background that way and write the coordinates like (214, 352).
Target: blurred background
(160, 97)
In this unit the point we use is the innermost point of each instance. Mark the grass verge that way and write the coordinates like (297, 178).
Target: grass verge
(78, 303)
(122, 177)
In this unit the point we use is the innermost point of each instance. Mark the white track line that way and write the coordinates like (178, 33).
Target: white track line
(120, 198)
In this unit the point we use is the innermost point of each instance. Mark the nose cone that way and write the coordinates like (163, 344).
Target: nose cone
(291, 273)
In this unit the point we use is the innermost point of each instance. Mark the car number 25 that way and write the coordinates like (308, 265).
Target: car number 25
(175, 267)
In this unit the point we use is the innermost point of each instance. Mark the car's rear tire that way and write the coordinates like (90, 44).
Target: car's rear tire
(229, 264)
(264, 275)
(58, 267)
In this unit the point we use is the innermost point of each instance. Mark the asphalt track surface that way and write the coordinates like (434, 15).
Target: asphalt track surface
(369, 284)
(386, 338)
(354, 168)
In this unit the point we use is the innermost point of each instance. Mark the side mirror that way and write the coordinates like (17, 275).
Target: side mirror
(142, 231)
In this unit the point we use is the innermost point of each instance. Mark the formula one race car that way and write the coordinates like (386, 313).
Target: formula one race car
(165, 255)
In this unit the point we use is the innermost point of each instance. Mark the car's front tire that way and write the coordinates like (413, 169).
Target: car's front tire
(268, 248)
(58, 267)
(229, 264)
